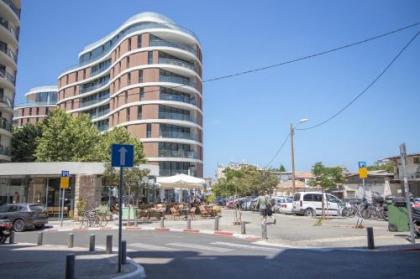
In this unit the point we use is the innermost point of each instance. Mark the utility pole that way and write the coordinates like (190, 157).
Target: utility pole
(403, 156)
(292, 153)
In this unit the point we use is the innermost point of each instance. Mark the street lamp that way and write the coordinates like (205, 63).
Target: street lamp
(292, 150)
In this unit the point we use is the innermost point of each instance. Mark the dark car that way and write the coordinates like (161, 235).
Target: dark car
(25, 215)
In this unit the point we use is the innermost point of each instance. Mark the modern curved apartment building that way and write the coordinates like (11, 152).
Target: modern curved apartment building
(9, 38)
(39, 102)
(145, 76)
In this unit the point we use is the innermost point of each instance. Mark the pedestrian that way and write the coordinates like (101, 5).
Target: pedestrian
(265, 208)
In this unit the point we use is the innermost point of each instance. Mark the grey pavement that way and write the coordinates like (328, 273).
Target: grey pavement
(189, 255)
(27, 260)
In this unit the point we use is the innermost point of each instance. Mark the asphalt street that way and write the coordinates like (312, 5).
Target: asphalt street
(190, 255)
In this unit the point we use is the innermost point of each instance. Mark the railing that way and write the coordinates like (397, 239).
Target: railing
(13, 7)
(100, 69)
(103, 127)
(9, 52)
(178, 98)
(99, 113)
(35, 104)
(11, 29)
(177, 116)
(179, 135)
(177, 79)
(93, 87)
(4, 124)
(4, 150)
(8, 76)
(6, 101)
(94, 101)
(177, 153)
(177, 62)
(159, 42)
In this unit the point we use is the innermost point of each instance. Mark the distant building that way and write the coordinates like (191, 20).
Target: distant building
(232, 165)
(285, 186)
(412, 169)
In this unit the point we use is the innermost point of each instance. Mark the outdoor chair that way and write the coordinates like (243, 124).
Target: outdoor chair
(192, 212)
(175, 213)
(203, 211)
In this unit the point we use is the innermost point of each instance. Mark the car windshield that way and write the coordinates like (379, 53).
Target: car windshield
(36, 208)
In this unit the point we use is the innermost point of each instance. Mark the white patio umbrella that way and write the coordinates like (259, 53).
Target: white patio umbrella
(182, 181)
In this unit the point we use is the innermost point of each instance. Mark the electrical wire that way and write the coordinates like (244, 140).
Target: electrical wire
(373, 82)
(278, 151)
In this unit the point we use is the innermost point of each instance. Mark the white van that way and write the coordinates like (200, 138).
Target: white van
(310, 204)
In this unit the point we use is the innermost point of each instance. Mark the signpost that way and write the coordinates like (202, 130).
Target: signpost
(363, 174)
(123, 157)
(64, 184)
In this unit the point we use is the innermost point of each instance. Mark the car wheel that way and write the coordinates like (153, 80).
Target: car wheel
(19, 225)
(309, 212)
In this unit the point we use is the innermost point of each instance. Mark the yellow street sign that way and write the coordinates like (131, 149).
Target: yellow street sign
(363, 173)
(64, 182)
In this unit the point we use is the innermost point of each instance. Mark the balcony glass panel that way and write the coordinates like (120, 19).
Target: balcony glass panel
(172, 95)
(166, 76)
(99, 68)
(94, 84)
(97, 98)
(10, 77)
(8, 51)
(9, 27)
(5, 124)
(12, 5)
(156, 41)
(6, 101)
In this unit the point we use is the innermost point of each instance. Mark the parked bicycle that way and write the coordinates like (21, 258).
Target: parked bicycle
(91, 218)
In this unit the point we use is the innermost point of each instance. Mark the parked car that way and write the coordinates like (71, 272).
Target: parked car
(25, 215)
(310, 204)
(283, 204)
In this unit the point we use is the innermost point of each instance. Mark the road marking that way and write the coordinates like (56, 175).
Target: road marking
(141, 260)
(199, 247)
(245, 246)
(152, 247)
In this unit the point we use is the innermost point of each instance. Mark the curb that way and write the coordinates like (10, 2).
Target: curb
(137, 273)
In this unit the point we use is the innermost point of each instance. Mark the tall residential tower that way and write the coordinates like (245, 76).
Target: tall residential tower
(145, 76)
(9, 38)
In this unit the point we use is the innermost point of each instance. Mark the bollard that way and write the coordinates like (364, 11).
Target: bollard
(124, 252)
(264, 231)
(40, 238)
(69, 266)
(189, 223)
(92, 243)
(243, 228)
(370, 238)
(109, 244)
(216, 223)
(12, 237)
(70, 244)
(162, 222)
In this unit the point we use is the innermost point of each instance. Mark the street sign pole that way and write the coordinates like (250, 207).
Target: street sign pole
(403, 156)
(120, 195)
(62, 206)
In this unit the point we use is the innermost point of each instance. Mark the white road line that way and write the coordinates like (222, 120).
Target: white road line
(152, 247)
(199, 247)
(245, 246)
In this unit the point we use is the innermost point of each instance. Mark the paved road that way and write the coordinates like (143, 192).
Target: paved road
(189, 255)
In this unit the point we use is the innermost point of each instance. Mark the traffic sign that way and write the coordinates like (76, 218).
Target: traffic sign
(122, 155)
(362, 164)
(363, 173)
(64, 179)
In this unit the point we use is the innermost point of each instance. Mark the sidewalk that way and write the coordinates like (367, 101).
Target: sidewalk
(290, 230)
(48, 261)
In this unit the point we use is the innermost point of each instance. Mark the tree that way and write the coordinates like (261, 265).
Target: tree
(282, 168)
(326, 178)
(387, 166)
(67, 138)
(24, 142)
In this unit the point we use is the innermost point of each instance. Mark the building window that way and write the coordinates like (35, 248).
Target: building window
(74, 90)
(84, 74)
(148, 130)
(139, 41)
(77, 76)
(139, 112)
(140, 76)
(141, 93)
(150, 57)
(128, 61)
(30, 111)
(37, 111)
(126, 97)
(47, 110)
(128, 114)
(416, 160)
(129, 44)
(129, 78)
(67, 79)
(72, 104)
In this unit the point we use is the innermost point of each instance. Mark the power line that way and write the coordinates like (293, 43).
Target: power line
(278, 150)
(288, 61)
(366, 89)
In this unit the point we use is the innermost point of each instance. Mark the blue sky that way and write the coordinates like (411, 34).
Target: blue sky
(247, 118)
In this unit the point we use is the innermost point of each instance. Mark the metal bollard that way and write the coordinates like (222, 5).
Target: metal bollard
(243, 228)
(70, 243)
(12, 237)
(216, 223)
(162, 222)
(189, 223)
(370, 238)
(40, 238)
(264, 231)
(92, 243)
(70, 266)
(109, 244)
(124, 252)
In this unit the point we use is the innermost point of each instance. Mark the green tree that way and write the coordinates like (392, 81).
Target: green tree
(25, 142)
(282, 168)
(387, 166)
(67, 138)
(326, 178)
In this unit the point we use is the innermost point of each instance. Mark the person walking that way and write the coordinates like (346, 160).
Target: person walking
(265, 208)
